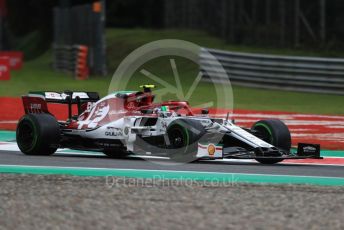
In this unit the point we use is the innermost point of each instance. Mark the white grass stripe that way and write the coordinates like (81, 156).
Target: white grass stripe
(8, 122)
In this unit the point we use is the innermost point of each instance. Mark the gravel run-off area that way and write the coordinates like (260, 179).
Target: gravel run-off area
(69, 202)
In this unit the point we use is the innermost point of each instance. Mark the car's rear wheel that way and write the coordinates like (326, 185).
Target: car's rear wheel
(183, 135)
(274, 132)
(38, 134)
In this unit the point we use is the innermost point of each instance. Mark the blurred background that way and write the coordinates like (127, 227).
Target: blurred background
(280, 54)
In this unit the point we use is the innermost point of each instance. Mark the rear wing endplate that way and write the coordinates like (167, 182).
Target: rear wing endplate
(36, 102)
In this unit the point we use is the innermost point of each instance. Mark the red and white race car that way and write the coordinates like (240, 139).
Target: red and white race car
(128, 122)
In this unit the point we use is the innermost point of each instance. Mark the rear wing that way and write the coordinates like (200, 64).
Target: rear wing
(62, 98)
(36, 102)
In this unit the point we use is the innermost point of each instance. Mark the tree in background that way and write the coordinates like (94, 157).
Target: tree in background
(250, 22)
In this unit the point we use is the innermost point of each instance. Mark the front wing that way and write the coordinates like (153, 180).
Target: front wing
(213, 151)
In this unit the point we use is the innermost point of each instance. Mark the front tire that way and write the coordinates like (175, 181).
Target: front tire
(183, 135)
(274, 132)
(38, 134)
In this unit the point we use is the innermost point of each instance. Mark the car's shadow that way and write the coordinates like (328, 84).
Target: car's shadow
(167, 161)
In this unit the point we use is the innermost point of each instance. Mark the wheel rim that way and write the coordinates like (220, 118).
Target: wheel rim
(264, 132)
(26, 135)
(176, 138)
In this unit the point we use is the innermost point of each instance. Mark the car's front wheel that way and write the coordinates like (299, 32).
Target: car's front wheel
(183, 135)
(274, 132)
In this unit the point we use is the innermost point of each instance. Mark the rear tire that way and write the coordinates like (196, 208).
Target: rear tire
(38, 134)
(274, 132)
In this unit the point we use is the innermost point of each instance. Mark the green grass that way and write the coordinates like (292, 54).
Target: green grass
(133, 38)
(38, 75)
(261, 99)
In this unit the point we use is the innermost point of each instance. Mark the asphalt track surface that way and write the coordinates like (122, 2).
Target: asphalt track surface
(87, 161)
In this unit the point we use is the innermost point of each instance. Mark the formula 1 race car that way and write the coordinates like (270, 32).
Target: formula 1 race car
(128, 122)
